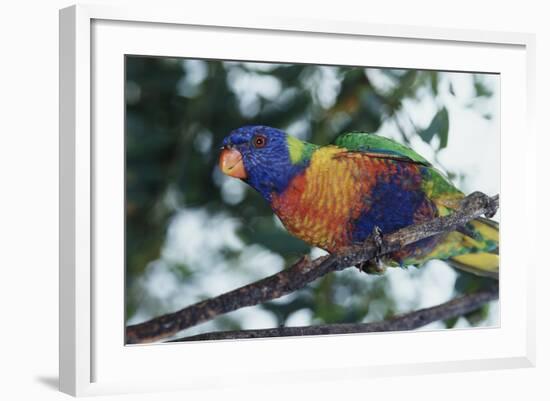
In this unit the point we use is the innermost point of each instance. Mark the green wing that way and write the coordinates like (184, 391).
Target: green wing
(435, 184)
(378, 146)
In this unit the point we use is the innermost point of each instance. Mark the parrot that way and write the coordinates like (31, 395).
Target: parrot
(338, 195)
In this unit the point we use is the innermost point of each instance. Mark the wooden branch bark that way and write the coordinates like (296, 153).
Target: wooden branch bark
(410, 321)
(304, 271)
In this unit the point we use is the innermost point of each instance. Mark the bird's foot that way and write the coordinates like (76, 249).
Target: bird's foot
(378, 239)
(375, 265)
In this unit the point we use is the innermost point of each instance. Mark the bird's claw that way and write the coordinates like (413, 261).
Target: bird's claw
(375, 265)
(378, 239)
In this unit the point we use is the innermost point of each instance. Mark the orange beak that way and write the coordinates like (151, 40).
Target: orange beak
(231, 163)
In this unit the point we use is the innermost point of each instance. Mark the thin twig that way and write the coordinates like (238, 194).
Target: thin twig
(410, 321)
(304, 271)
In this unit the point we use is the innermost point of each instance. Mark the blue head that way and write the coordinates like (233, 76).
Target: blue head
(264, 157)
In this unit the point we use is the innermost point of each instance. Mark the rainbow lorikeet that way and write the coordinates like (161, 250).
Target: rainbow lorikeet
(337, 195)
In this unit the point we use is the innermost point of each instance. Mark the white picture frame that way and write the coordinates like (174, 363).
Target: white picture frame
(93, 357)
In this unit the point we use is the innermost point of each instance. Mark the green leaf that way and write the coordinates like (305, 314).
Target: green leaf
(434, 82)
(481, 89)
(439, 126)
(451, 89)
(450, 323)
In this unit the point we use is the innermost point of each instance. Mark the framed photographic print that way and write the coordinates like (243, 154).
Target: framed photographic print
(259, 192)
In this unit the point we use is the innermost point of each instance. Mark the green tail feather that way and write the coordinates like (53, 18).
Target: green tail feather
(476, 252)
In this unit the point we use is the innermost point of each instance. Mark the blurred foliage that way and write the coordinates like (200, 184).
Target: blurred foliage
(177, 113)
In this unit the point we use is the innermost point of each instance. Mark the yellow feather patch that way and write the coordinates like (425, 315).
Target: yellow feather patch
(481, 261)
(295, 149)
(487, 232)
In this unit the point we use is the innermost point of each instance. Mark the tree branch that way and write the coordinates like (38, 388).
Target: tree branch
(410, 321)
(304, 271)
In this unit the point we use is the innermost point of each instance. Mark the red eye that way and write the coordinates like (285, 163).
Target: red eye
(259, 141)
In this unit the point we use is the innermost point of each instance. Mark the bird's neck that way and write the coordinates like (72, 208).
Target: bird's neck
(282, 172)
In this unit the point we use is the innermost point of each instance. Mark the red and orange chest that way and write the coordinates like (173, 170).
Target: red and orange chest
(320, 204)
